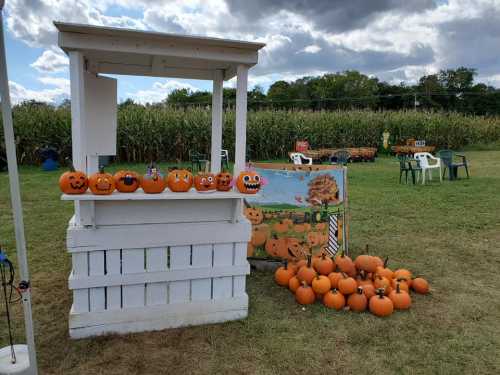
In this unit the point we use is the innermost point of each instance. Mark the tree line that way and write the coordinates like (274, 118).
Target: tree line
(447, 90)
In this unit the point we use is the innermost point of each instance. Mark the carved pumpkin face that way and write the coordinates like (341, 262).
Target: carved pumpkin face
(223, 180)
(153, 181)
(275, 246)
(254, 215)
(294, 249)
(126, 181)
(248, 182)
(73, 182)
(205, 182)
(101, 183)
(180, 180)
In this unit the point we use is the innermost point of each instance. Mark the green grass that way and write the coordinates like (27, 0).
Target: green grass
(447, 232)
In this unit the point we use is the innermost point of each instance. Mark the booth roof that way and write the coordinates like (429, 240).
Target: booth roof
(132, 52)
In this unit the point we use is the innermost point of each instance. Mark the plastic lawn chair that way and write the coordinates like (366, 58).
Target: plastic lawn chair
(197, 160)
(299, 159)
(341, 157)
(447, 157)
(428, 163)
(406, 166)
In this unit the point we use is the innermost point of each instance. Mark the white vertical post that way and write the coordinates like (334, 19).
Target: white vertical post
(241, 118)
(15, 197)
(216, 121)
(77, 81)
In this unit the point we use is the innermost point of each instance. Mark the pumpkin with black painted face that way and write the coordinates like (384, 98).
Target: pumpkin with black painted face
(180, 180)
(248, 182)
(101, 183)
(73, 182)
(254, 215)
(204, 182)
(153, 182)
(223, 180)
(126, 181)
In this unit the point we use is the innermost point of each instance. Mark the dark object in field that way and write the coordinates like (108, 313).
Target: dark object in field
(447, 156)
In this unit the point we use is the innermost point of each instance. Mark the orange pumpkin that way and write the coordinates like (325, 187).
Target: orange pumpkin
(357, 301)
(101, 183)
(293, 284)
(126, 181)
(420, 285)
(248, 182)
(325, 265)
(400, 298)
(299, 228)
(223, 181)
(260, 233)
(334, 300)
(403, 274)
(283, 275)
(347, 285)
(381, 305)
(73, 182)
(179, 180)
(334, 279)
(403, 285)
(304, 294)
(153, 181)
(280, 227)
(254, 215)
(369, 291)
(381, 282)
(205, 182)
(307, 273)
(366, 263)
(321, 284)
(345, 264)
(313, 238)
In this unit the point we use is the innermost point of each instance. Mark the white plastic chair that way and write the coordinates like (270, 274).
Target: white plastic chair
(299, 159)
(428, 162)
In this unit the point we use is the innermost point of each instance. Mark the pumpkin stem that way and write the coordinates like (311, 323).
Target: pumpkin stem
(398, 288)
(101, 169)
(380, 292)
(366, 249)
(344, 275)
(304, 284)
(360, 290)
(308, 261)
(386, 261)
(286, 264)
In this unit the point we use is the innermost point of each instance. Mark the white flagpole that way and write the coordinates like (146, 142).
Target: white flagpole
(15, 197)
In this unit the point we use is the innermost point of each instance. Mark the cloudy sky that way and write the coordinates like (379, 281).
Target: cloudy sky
(396, 40)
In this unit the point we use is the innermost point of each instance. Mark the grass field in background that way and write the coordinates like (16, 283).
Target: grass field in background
(449, 233)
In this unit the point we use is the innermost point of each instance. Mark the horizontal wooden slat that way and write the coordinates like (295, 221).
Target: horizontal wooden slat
(76, 282)
(179, 312)
(155, 235)
(139, 195)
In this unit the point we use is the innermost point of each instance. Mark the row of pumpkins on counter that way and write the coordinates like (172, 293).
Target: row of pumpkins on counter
(154, 182)
(341, 283)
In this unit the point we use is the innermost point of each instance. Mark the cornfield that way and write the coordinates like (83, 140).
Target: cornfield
(164, 133)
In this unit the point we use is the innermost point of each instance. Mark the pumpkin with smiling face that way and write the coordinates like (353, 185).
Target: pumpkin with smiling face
(126, 181)
(254, 215)
(101, 183)
(248, 182)
(73, 182)
(224, 181)
(204, 182)
(179, 180)
(153, 182)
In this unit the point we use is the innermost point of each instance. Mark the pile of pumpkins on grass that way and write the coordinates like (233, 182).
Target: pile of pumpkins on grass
(343, 284)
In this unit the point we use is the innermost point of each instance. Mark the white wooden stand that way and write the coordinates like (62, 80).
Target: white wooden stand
(155, 261)
(152, 261)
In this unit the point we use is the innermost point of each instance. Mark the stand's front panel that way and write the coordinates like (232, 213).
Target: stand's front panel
(137, 268)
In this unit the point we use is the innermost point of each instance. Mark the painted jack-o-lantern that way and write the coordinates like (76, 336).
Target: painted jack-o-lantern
(254, 215)
(248, 182)
(101, 183)
(275, 246)
(73, 182)
(153, 181)
(179, 180)
(205, 182)
(223, 180)
(260, 233)
(126, 181)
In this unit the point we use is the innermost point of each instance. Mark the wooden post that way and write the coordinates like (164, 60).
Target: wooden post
(216, 121)
(77, 79)
(241, 118)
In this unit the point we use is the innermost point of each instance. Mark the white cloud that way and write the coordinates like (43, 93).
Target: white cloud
(59, 91)
(312, 48)
(159, 91)
(51, 61)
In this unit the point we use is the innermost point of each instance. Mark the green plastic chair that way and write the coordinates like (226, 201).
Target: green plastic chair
(408, 165)
(448, 157)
